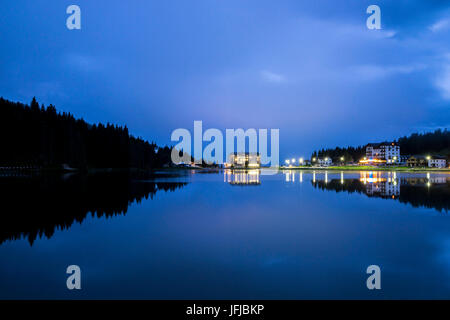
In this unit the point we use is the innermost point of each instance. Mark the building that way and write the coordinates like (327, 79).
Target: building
(404, 159)
(417, 161)
(324, 162)
(437, 162)
(388, 152)
(244, 160)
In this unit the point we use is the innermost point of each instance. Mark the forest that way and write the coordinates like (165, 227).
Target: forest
(430, 143)
(34, 136)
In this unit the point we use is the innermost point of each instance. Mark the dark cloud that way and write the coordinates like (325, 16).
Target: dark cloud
(310, 68)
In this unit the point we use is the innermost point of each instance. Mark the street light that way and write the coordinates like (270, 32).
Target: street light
(428, 157)
(342, 158)
(287, 161)
(300, 161)
(293, 160)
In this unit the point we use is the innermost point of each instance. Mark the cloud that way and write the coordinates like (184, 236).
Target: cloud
(389, 33)
(443, 82)
(82, 62)
(371, 72)
(439, 25)
(272, 77)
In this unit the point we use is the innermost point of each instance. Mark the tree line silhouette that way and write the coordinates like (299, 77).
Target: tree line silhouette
(437, 142)
(39, 136)
(350, 154)
(432, 143)
(418, 195)
(36, 206)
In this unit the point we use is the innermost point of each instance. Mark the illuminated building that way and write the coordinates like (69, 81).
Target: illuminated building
(386, 152)
(437, 162)
(324, 162)
(244, 160)
(417, 161)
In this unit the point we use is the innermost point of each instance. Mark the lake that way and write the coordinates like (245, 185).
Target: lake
(225, 235)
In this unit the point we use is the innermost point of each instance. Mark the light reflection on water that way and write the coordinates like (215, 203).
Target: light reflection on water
(242, 177)
(376, 183)
(296, 234)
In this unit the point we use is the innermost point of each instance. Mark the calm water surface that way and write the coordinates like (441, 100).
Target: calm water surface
(226, 235)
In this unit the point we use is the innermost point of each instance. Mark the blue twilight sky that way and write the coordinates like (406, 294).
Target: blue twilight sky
(310, 68)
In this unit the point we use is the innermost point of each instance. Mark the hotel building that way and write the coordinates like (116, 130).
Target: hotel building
(385, 152)
(244, 160)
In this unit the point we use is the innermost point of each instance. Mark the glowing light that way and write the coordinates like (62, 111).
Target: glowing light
(372, 160)
(371, 177)
(287, 161)
(293, 160)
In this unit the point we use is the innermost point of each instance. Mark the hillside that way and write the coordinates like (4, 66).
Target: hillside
(39, 136)
(430, 143)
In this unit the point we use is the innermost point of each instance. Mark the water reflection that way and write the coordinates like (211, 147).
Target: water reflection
(242, 177)
(39, 205)
(280, 239)
(419, 190)
(379, 185)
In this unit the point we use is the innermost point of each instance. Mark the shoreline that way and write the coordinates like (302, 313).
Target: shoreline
(367, 168)
(174, 169)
